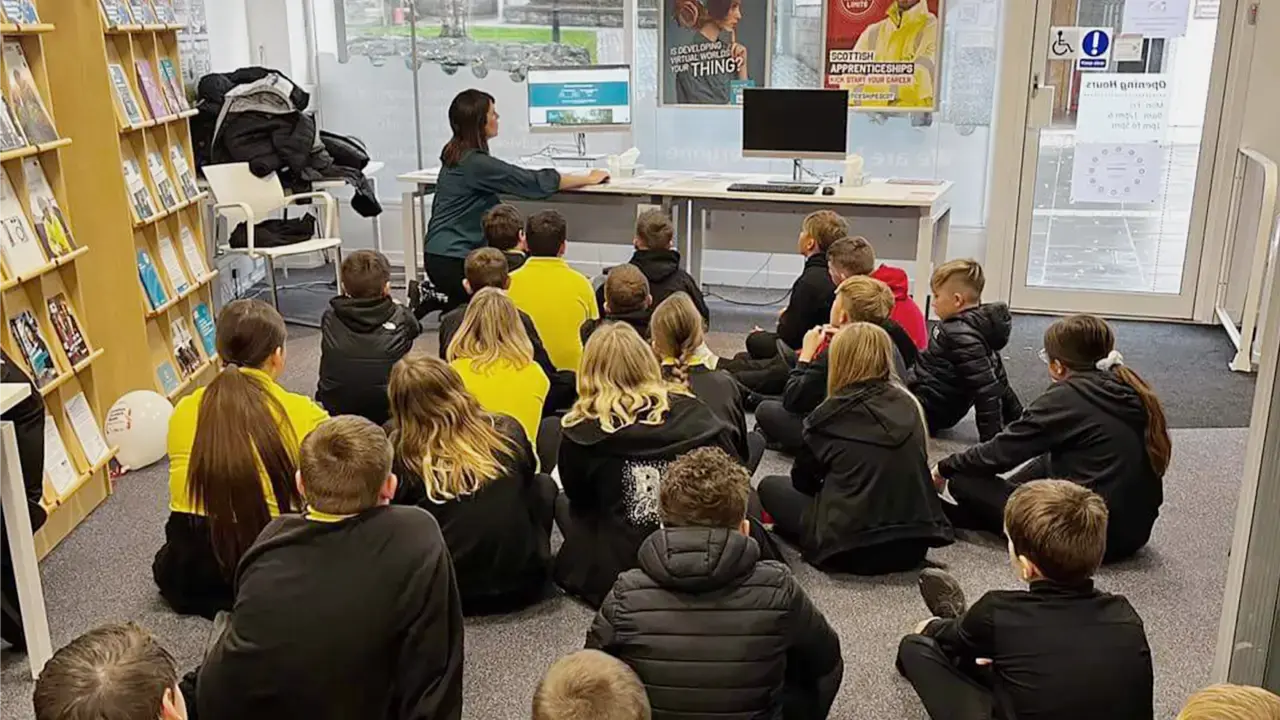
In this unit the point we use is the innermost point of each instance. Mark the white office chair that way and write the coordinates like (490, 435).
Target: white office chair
(240, 196)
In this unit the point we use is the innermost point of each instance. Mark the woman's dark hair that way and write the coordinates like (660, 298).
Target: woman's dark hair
(224, 473)
(468, 115)
(1079, 342)
(719, 9)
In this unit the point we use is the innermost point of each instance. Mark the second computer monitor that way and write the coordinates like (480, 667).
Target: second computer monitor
(800, 124)
(576, 99)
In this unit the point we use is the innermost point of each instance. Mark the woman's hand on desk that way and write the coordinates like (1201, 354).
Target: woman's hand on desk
(594, 177)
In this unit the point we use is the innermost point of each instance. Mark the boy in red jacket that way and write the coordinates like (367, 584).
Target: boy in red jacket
(855, 256)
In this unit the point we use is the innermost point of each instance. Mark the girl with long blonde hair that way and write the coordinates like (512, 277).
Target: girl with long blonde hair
(493, 354)
(860, 498)
(1100, 424)
(627, 425)
(475, 472)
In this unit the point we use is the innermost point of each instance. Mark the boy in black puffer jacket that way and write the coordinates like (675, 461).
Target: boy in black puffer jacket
(962, 366)
(660, 264)
(709, 627)
(363, 333)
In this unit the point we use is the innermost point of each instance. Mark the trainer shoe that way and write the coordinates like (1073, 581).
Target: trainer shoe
(942, 593)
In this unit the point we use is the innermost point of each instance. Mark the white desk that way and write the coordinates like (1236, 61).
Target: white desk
(698, 194)
(17, 523)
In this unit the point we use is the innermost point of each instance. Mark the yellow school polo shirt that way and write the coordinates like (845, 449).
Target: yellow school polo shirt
(301, 411)
(502, 388)
(559, 299)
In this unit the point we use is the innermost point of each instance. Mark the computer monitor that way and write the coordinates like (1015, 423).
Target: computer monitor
(795, 124)
(579, 99)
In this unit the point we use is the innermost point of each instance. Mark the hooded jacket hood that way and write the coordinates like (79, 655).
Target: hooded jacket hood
(1109, 394)
(990, 320)
(697, 559)
(864, 414)
(896, 279)
(363, 315)
(657, 265)
(689, 424)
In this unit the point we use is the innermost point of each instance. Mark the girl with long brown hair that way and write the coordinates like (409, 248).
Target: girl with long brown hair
(233, 449)
(1099, 425)
(475, 472)
(624, 429)
(860, 498)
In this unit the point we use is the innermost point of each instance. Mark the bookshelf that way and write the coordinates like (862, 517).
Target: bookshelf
(46, 258)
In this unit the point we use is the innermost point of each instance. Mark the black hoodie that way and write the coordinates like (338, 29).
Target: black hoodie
(1092, 429)
(638, 319)
(712, 630)
(866, 462)
(360, 339)
(611, 482)
(662, 269)
(962, 368)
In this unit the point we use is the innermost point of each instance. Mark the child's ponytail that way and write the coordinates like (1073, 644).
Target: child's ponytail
(676, 330)
(1159, 445)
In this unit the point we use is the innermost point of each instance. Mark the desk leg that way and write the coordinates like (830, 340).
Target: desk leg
(26, 569)
(409, 235)
(376, 221)
(942, 236)
(924, 261)
(697, 241)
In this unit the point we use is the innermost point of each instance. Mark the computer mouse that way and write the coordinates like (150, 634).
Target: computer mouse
(828, 190)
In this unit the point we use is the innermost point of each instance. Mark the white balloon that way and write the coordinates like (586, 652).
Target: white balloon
(138, 423)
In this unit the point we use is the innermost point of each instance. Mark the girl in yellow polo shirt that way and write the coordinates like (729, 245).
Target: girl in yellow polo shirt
(233, 449)
(493, 354)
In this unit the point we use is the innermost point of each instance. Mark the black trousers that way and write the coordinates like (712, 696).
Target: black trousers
(782, 428)
(562, 393)
(755, 451)
(786, 504)
(762, 344)
(980, 498)
(28, 429)
(548, 443)
(947, 690)
(446, 274)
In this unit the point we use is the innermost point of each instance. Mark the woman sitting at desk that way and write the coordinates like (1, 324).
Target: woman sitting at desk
(469, 184)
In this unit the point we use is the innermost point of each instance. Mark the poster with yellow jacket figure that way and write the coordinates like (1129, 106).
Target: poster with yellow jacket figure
(884, 52)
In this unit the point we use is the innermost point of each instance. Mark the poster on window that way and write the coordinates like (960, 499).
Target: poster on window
(884, 52)
(713, 49)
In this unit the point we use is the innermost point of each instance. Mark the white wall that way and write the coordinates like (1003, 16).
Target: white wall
(228, 34)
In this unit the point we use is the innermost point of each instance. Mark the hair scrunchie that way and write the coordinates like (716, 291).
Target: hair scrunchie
(1112, 359)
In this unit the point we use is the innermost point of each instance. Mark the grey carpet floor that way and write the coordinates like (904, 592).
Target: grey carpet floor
(102, 574)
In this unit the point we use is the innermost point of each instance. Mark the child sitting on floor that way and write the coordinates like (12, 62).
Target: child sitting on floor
(1021, 653)
(626, 299)
(848, 257)
(557, 297)
(711, 628)
(362, 334)
(627, 425)
(860, 498)
(962, 368)
(114, 672)
(476, 473)
(349, 610)
(590, 685)
(661, 264)
(1099, 424)
(503, 230)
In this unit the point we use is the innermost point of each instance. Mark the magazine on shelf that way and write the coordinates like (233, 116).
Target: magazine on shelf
(86, 429)
(184, 347)
(169, 259)
(20, 12)
(26, 335)
(10, 132)
(150, 91)
(165, 12)
(161, 180)
(24, 96)
(142, 12)
(191, 251)
(124, 95)
(166, 89)
(18, 242)
(170, 78)
(206, 328)
(116, 13)
(151, 285)
(68, 329)
(144, 206)
(186, 180)
(168, 377)
(57, 463)
(51, 223)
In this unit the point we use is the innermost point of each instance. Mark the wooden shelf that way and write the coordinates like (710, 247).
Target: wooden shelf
(37, 29)
(85, 363)
(50, 266)
(190, 112)
(58, 382)
(30, 150)
(170, 211)
(84, 478)
(195, 286)
(188, 380)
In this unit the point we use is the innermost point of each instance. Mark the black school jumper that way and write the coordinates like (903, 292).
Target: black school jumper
(810, 305)
(355, 618)
(666, 278)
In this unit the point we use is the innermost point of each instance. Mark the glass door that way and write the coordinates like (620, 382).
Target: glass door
(1115, 175)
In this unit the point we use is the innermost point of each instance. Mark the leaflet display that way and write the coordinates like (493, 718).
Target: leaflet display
(578, 99)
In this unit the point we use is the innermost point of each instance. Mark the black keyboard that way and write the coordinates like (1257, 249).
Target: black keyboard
(780, 188)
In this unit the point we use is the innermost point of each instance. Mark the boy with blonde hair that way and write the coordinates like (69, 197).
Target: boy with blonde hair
(557, 297)
(1231, 702)
(1060, 650)
(848, 257)
(812, 292)
(962, 368)
(626, 299)
(320, 632)
(590, 685)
